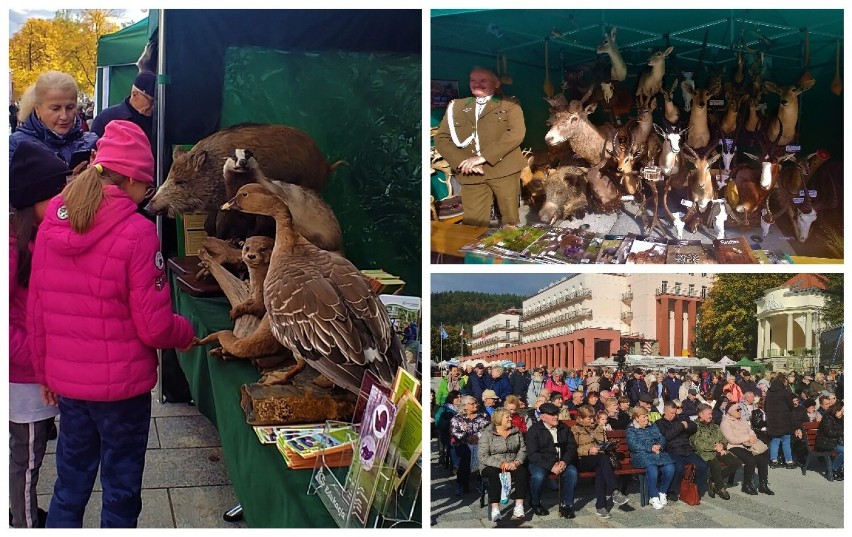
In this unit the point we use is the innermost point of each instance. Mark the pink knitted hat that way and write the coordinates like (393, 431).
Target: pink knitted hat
(125, 149)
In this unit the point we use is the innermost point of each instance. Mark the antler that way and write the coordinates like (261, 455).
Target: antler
(587, 95)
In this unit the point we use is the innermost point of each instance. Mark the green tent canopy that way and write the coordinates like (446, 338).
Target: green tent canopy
(754, 367)
(117, 55)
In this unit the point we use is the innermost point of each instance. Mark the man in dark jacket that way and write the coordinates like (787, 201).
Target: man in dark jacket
(689, 406)
(747, 383)
(477, 382)
(520, 381)
(779, 421)
(635, 387)
(677, 429)
(547, 456)
(672, 385)
(138, 108)
(500, 384)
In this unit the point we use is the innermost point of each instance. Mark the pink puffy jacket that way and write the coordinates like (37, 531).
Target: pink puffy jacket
(21, 369)
(100, 303)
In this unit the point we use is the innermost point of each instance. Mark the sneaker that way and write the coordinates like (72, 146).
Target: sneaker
(603, 513)
(791, 465)
(656, 503)
(618, 498)
(663, 499)
(518, 511)
(495, 514)
(672, 496)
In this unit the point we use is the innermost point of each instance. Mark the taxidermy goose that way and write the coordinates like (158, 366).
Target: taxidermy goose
(319, 305)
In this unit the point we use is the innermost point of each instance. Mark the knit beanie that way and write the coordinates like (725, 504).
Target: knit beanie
(35, 174)
(145, 82)
(125, 149)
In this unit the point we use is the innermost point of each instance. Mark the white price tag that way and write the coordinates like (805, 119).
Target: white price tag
(628, 197)
(811, 193)
(584, 261)
(716, 102)
(798, 200)
(793, 148)
(686, 203)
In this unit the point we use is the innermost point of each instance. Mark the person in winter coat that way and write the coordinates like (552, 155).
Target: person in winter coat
(465, 428)
(709, 442)
(689, 405)
(616, 410)
(512, 404)
(573, 380)
(100, 306)
(520, 381)
(590, 436)
(677, 429)
(477, 382)
(672, 385)
(35, 176)
(817, 385)
(779, 425)
(48, 115)
(502, 449)
(500, 384)
(646, 445)
(740, 439)
(758, 422)
(535, 387)
(636, 387)
(830, 437)
(556, 383)
(551, 448)
(443, 416)
(804, 413)
(747, 383)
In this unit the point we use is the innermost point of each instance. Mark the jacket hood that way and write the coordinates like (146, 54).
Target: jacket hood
(35, 128)
(115, 208)
(777, 386)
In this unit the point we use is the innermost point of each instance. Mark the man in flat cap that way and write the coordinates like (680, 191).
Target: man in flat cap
(551, 448)
(138, 108)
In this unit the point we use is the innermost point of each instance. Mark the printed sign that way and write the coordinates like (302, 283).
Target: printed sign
(628, 197)
(793, 148)
(811, 193)
(686, 203)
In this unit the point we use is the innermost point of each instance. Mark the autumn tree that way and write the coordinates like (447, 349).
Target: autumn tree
(833, 312)
(68, 43)
(727, 323)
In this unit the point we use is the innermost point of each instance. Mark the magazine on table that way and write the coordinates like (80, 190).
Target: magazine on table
(647, 250)
(687, 252)
(733, 251)
(609, 248)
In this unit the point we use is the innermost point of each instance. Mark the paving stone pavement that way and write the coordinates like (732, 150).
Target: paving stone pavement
(185, 484)
(808, 501)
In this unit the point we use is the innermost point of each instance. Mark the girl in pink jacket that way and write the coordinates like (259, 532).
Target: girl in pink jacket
(100, 306)
(35, 176)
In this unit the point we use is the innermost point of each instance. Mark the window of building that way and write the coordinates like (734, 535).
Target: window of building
(508, 323)
(703, 291)
(677, 288)
(691, 289)
(664, 286)
(508, 334)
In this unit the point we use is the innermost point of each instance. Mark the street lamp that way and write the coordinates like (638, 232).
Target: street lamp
(817, 347)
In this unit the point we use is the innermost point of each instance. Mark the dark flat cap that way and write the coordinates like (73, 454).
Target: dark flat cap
(548, 408)
(646, 398)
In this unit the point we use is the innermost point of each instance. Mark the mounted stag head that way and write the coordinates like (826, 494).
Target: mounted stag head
(671, 134)
(702, 187)
(672, 112)
(651, 81)
(770, 159)
(699, 135)
(609, 46)
(788, 110)
(572, 125)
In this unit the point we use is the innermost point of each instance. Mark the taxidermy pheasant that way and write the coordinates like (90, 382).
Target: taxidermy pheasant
(319, 305)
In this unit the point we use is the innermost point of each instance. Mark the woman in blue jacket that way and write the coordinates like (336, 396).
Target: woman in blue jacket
(646, 445)
(48, 115)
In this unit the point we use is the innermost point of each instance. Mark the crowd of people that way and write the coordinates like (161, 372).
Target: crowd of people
(89, 305)
(529, 426)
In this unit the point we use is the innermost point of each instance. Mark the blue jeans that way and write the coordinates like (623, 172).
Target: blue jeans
(701, 472)
(785, 444)
(838, 460)
(112, 435)
(538, 476)
(666, 472)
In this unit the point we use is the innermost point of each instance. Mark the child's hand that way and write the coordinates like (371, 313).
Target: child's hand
(48, 396)
(189, 347)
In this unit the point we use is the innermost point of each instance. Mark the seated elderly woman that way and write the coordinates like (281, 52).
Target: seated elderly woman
(512, 404)
(743, 442)
(556, 383)
(646, 451)
(502, 449)
(830, 437)
(464, 432)
(590, 436)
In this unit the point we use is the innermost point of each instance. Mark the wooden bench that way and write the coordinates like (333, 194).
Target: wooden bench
(811, 429)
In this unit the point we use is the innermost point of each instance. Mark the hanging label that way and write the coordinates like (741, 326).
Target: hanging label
(686, 203)
(718, 103)
(793, 148)
(627, 198)
(811, 193)
(798, 200)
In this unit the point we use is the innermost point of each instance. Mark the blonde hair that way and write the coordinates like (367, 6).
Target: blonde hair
(512, 400)
(34, 94)
(83, 195)
(498, 415)
(610, 402)
(586, 411)
(639, 411)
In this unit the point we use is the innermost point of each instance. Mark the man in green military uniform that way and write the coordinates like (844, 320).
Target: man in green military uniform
(480, 137)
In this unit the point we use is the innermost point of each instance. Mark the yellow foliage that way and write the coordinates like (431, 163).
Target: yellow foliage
(68, 43)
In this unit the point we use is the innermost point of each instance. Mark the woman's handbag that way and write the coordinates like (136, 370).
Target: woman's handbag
(758, 446)
(688, 488)
(611, 451)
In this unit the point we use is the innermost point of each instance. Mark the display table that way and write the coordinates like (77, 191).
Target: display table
(447, 238)
(272, 495)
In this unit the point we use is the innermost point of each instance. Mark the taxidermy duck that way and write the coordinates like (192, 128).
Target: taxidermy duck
(319, 305)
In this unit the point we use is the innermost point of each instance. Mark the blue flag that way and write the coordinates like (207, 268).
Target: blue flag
(443, 332)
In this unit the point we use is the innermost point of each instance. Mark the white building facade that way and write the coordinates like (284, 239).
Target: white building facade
(496, 332)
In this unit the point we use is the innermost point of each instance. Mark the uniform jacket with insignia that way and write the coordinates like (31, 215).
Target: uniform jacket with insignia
(99, 303)
(501, 130)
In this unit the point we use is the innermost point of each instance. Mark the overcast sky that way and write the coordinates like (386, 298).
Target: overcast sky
(517, 284)
(17, 17)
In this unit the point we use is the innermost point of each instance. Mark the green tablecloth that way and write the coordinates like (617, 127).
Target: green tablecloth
(272, 495)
